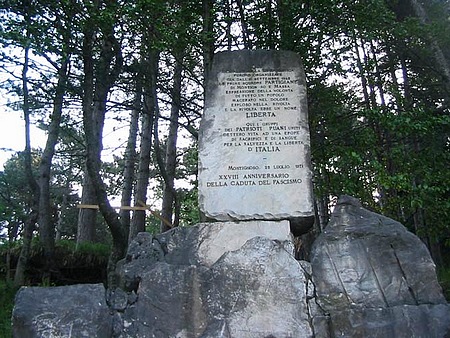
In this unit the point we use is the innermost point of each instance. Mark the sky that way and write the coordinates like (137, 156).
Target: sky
(12, 126)
(12, 134)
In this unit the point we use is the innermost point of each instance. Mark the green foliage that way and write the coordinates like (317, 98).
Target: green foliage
(98, 250)
(189, 213)
(378, 102)
(187, 170)
(7, 294)
(15, 197)
(152, 224)
(75, 264)
(444, 280)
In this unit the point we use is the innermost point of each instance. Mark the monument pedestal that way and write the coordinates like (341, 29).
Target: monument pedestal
(222, 237)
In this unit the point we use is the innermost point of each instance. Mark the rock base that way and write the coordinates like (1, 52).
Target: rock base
(368, 277)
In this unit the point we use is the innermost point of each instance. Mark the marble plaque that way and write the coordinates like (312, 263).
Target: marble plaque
(254, 148)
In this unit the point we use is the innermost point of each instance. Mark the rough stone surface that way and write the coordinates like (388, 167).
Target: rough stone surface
(402, 321)
(216, 280)
(257, 290)
(64, 311)
(375, 278)
(212, 241)
(254, 145)
(211, 280)
(368, 277)
(255, 306)
(202, 244)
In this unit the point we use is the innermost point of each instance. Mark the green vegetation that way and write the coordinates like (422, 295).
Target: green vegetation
(444, 280)
(99, 251)
(83, 264)
(378, 102)
(7, 293)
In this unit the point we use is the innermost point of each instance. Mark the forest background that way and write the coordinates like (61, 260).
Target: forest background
(118, 88)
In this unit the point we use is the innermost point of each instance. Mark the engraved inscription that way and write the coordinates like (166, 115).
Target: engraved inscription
(254, 147)
(262, 123)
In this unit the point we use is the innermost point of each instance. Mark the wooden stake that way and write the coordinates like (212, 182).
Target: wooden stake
(124, 207)
(154, 213)
(142, 207)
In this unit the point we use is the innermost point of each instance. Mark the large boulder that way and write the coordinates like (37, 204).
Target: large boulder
(216, 280)
(199, 245)
(63, 311)
(374, 278)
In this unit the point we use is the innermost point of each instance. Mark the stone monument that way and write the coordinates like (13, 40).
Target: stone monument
(254, 148)
(368, 276)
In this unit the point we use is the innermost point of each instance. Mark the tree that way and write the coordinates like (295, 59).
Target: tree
(98, 81)
(15, 205)
(87, 217)
(362, 136)
(46, 223)
(130, 154)
(39, 95)
(148, 118)
(377, 87)
(20, 35)
(148, 70)
(170, 201)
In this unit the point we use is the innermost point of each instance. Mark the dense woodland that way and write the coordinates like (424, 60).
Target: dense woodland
(118, 87)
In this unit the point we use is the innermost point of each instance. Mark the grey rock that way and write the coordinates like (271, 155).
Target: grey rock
(402, 321)
(368, 277)
(375, 278)
(142, 252)
(66, 311)
(257, 290)
(118, 299)
(202, 244)
(169, 303)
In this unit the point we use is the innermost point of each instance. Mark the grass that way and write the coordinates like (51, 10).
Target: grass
(7, 293)
(444, 280)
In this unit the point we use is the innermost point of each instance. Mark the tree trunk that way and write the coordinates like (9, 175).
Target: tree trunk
(244, 27)
(286, 24)
(148, 114)
(130, 155)
(169, 194)
(229, 22)
(439, 56)
(323, 214)
(46, 224)
(208, 37)
(87, 218)
(27, 236)
(361, 72)
(107, 70)
(272, 31)
(369, 80)
(378, 75)
(30, 222)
